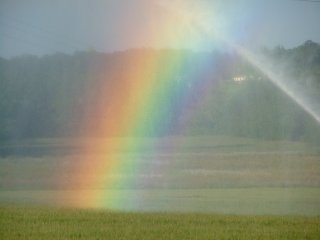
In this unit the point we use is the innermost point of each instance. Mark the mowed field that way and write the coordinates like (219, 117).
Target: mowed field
(193, 188)
(240, 201)
(53, 223)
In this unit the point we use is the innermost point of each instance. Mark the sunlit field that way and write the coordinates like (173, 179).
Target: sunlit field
(54, 223)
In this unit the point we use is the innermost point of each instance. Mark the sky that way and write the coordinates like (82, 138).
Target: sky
(42, 27)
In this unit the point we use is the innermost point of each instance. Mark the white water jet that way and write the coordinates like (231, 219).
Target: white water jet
(280, 79)
(202, 24)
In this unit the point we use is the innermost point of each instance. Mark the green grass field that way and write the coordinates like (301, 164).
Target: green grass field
(53, 223)
(208, 188)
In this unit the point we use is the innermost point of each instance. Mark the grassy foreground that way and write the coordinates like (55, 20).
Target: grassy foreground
(57, 223)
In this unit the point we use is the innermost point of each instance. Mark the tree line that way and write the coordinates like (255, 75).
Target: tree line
(56, 95)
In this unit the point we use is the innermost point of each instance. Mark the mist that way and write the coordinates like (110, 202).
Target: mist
(161, 106)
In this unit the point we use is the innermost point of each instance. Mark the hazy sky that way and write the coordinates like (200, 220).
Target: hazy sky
(47, 26)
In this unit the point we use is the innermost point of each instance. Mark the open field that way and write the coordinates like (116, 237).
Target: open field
(192, 188)
(53, 223)
(241, 201)
(172, 162)
(190, 174)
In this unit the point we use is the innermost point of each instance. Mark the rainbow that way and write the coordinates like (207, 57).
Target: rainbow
(147, 96)
(144, 102)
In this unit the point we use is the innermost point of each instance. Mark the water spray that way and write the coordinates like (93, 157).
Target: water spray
(278, 78)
